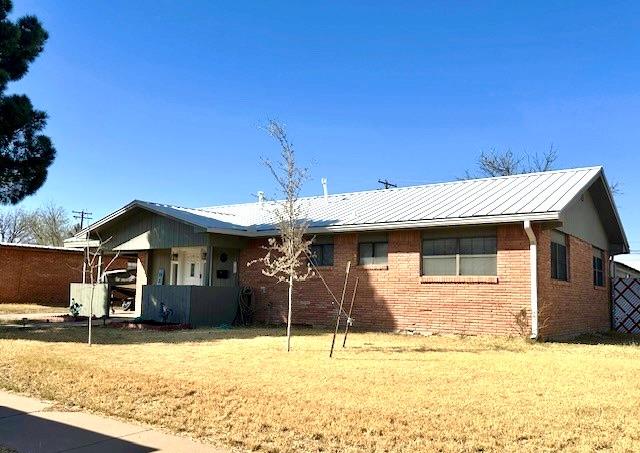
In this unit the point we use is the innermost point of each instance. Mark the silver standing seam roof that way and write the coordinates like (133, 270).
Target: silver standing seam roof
(533, 196)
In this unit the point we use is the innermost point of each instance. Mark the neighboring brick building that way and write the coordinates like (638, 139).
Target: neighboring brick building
(509, 255)
(37, 274)
(32, 274)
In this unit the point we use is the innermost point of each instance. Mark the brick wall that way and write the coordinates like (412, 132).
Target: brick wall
(397, 297)
(573, 307)
(30, 275)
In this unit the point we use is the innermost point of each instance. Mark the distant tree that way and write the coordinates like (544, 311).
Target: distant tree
(505, 163)
(15, 226)
(50, 225)
(286, 256)
(25, 153)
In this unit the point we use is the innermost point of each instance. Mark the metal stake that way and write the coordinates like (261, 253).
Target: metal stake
(346, 329)
(344, 290)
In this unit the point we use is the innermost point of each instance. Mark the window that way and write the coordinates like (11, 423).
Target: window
(373, 249)
(559, 257)
(174, 274)
(598, 267)
(192, 270)
(460, 256)
(322, 251)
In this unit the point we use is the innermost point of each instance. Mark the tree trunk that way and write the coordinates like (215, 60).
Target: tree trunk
(289, 315)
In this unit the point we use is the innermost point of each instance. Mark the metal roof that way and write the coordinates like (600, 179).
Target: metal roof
(39, 247)
(533, 196)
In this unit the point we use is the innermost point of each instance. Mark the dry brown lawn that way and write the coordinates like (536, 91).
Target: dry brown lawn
(11, 309)
(384, 392)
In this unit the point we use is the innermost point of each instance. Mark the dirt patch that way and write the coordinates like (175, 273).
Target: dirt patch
(149, 325)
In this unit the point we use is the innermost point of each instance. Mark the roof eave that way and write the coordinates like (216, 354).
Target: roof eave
(432, 223)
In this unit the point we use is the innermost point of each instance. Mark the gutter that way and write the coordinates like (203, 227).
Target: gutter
(533, 265)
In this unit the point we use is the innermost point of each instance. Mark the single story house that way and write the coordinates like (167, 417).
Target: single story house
(483, 256)
(621, 270)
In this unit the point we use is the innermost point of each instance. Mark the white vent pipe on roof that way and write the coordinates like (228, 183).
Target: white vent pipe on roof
(260, 197)
(533, 264)
(324, 188)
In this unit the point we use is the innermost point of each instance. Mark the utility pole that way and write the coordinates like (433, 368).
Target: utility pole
(82, 215)
(386, 183)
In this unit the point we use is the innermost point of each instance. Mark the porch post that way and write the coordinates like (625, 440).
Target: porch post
(209, 265)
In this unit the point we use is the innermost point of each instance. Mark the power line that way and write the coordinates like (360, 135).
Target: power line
(386, 183)
(82, 215)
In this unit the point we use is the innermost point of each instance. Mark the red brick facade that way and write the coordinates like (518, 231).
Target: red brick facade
(34, 275)
(396, 297)
(573, 307)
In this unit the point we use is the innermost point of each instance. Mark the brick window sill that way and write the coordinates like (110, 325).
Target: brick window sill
(560, 282)
(600, 288)
(478, 279)
(374, 267)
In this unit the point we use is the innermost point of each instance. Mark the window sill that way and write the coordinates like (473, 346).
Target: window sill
(600, 288)
(374, 267)
(478, 279)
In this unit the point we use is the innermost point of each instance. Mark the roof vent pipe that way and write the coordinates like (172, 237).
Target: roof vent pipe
(324, 188)
(260, 197)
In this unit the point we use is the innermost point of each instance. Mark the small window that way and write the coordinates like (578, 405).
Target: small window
(174, 273)
(322, 250)
(559, 256)
(322, 254)
(373, 249)
(460, 256)
(192, 270)
(598, 267)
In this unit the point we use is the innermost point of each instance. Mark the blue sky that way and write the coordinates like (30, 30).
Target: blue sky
(162, 101)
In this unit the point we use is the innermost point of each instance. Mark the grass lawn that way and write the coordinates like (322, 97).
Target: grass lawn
(384, 392)
(10, 309)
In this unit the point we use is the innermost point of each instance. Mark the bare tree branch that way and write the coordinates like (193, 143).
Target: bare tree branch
(506, 163)
(285, 257)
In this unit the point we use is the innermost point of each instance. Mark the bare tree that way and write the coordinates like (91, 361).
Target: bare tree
(50, 225)
(15, 226)
(505, 163)
(93, 265)
(285, 257)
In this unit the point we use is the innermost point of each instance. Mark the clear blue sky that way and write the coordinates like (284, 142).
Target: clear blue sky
(161, 100)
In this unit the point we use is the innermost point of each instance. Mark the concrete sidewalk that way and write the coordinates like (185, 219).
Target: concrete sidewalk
(29, 426)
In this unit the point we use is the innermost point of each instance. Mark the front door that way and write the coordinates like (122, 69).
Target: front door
(192, 269)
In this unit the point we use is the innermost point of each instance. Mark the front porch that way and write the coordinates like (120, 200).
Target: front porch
(178, 264)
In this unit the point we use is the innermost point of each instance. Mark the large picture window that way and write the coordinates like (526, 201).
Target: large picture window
(460, 256)
(373, 249)
(559, 256)
(598, 267)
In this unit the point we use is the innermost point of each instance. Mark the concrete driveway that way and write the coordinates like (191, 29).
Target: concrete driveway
(29, 426)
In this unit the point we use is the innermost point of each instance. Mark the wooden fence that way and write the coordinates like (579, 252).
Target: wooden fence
(195, 305)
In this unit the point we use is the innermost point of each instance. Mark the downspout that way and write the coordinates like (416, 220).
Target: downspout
(533, 264)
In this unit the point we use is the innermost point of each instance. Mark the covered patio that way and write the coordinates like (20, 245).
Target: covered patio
(183, 273)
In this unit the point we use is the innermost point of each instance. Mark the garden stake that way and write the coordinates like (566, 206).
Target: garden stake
(344, 290)
(335, 300)
(349, 320)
